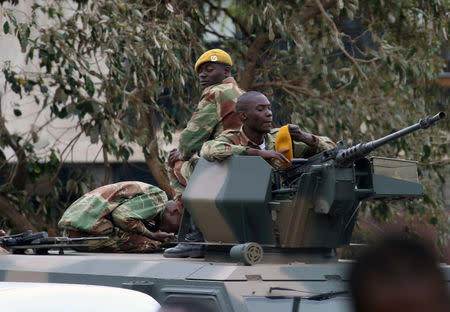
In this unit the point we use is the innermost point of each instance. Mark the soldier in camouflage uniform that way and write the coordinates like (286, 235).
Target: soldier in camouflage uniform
(257, 138)
(215, 113)
(136, 216)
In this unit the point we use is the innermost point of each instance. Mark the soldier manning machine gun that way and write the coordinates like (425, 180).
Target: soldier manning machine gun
(41, 243)
(305, 210)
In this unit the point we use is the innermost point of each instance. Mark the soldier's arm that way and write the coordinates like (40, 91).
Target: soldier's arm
(199, 127)
(129, 222)
(129, 215)
(306, 144)
(317, 145)
(221, 148)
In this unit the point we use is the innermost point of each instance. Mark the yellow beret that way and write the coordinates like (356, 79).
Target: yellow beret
(283, 141)
(214, 55)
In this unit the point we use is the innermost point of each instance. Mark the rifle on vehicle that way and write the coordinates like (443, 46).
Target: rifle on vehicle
(345, 157)
(41, 243)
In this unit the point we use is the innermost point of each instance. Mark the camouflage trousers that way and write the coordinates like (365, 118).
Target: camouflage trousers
(119, 241)
(179, 175)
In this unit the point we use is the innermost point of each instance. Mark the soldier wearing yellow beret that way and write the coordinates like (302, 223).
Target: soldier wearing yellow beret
(215, 113)
(216, 56)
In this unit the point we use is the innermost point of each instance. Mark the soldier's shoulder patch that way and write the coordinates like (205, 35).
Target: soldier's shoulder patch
(272, 134)
(229, 132)
(221, 87)
(274, 130)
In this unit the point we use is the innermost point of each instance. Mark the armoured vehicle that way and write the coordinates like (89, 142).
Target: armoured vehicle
(271, 235)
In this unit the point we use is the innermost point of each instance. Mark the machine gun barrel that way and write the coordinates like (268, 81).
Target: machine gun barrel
(344, 157)
(358, 151)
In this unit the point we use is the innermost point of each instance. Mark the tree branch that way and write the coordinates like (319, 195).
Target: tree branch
(107, 167)
(287, 84)
(288, 87)
(151, 158)
(235, 20)
(151, 153)
(311, 10)
(7, 209)
(250, 60)
(18, 176)
(335, 32)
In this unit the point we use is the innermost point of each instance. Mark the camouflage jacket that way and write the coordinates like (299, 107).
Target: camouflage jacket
(235, 142)
(122, 205)
(215, 113)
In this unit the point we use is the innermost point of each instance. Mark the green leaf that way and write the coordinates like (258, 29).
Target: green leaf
(51, 12)
(93, 134)
(6, 27)
(271, 33)
(426, 152)
(28, 86)
(16, 88)
(89, 86)
(63, 113)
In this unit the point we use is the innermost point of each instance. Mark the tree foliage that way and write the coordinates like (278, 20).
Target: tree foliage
(349, 69)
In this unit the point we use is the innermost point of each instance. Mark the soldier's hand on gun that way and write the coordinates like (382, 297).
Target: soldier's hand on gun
(270, 155)
(174, 156)
(2, 233)
(300, 136)
(163, 236)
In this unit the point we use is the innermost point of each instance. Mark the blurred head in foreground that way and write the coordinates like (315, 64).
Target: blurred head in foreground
(184, 305)
(398, 274)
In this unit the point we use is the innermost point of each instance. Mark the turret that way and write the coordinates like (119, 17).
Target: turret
(310, 207)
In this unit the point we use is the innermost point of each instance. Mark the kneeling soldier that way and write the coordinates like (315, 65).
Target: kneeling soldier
(136, 216)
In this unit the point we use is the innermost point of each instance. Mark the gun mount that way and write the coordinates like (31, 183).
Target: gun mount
(310, 205)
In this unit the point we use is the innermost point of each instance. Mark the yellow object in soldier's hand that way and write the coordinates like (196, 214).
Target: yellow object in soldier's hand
(283, 141)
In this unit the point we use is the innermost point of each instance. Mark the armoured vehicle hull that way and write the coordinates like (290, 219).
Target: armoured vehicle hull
(228, 286)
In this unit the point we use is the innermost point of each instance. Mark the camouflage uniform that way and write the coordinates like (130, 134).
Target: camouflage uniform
(235, 142)
(215, 112)
(116, 210)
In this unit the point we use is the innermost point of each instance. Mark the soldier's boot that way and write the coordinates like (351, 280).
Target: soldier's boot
(184, 250)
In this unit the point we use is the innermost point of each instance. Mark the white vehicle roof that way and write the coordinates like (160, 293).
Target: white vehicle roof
(49, 297)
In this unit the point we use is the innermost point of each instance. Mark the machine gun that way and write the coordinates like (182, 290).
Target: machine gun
(345, 157)
(41, 243)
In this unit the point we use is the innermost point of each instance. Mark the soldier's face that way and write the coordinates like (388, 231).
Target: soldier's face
(258, 115)
(212, 73)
